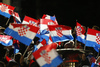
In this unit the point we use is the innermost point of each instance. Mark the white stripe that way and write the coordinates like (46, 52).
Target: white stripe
(53, 54)
(64, 32)
(43, 26)
(25, 22)
(39, 45)
(82, 36)
(29, 34)
(91, 38)
(47, 17)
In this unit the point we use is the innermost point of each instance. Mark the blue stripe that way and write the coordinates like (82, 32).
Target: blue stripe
(15, 35)
(5, 14)
(92, 44)
(80, 39)
(63, 38)
(8, 44)
(55, 62)
(52, 18)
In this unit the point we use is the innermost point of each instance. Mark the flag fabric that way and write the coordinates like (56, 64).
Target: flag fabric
(50, 40)
(31, 21)
(16, 17)
(60, 33)
(8, 59)
(5, 10)
(5, 38)
(80, 33)
(94, 65)
(7, 44)
(44, 25)
(16, 46)
(53, 18)
(43, 43)
(46, 56)
(93, 38)
(22, 32)
(44, 32)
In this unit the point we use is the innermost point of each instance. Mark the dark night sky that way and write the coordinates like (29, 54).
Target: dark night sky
(66, 11)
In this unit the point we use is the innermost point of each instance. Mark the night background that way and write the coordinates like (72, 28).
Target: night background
(66, 11)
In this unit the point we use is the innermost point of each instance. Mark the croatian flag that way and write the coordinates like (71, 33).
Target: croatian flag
(45, 16)
(60, 33)
(16, 17)
(5, 10)
(30, 21)
(47, 56)
(44, 27)
(6, 40)
(93, 38)
(22, 32)
(80, 32)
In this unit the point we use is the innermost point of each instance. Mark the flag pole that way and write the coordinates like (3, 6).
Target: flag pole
(85, 39)
(75, 36)
(25, 51)
(7, 21)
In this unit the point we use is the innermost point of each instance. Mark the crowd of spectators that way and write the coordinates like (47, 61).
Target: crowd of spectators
(18, 60)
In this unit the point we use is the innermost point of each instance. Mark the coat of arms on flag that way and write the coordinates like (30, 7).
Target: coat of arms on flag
(59, 31)
(78, 31)
(22, 30)
(98, 38)
(3, 8)
(44, 54)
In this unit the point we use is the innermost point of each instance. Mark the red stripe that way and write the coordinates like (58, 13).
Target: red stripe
(43, 42)
(92, 32)
(83, 30)
(29, 18)
(52, 27)
(32, 28)
(47, 21)
(9, 7)
(48, 48)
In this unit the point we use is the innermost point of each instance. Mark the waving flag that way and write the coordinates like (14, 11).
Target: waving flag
(46, 56)
(93, 38)
(22, 32)
(41, 44)
(5, 10)
(16, 17)
(31, 21)
(44, 27)
(7, 44)
(5, 38)
(49, 17)
(60, 33)
(80, 32)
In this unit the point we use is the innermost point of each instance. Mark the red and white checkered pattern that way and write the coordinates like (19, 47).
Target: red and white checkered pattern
(98, 39)
(3, 8)
(78, 31)
(47, 58)
(22, 31)
(59, 33)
